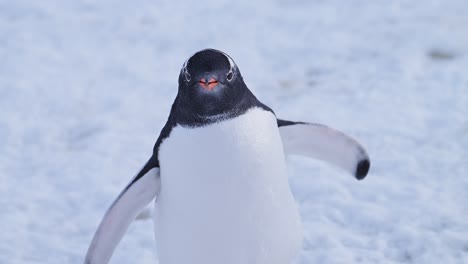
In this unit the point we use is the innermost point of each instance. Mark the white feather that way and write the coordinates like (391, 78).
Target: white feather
(323, 143)
(225, 196)
(119, 216)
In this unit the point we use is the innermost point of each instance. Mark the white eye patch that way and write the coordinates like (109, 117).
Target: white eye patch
(184, 71)
(231, 62)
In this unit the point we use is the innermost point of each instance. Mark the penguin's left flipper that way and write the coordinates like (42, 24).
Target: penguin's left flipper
(134, 197)
(324, 143)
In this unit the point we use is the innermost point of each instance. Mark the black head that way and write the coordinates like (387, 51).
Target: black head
(210, 85)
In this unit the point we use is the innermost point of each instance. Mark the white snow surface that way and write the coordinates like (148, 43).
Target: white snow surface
(86, 86)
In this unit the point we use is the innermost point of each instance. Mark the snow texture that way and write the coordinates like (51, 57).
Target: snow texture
(86, 86)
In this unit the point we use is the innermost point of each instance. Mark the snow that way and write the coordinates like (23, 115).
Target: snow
(85, 87)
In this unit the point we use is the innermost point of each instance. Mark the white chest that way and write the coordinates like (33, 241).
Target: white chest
(225, 196)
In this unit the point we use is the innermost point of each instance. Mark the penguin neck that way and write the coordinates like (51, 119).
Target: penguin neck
(193, 115)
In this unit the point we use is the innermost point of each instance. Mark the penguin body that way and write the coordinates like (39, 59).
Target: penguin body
(227, 197)
(218, 174)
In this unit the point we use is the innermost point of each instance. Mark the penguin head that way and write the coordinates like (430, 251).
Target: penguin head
(210, 83)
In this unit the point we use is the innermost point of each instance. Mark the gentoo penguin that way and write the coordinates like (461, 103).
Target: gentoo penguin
(218, 174)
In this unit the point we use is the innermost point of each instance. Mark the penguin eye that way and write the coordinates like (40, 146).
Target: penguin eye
(229, 76)
(187, 76)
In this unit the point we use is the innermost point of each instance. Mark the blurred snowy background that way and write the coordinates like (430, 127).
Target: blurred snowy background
(85, 87)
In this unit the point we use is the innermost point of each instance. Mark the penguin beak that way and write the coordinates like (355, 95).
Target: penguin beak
(208, 83)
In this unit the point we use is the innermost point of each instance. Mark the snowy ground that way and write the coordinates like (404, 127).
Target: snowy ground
(85, 87)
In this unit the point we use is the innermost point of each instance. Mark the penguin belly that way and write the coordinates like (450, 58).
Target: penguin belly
(225, 196)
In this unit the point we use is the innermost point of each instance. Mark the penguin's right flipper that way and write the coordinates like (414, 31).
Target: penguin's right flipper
(135, 196)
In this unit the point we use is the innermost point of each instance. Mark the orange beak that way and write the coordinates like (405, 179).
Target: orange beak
(208, 85)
